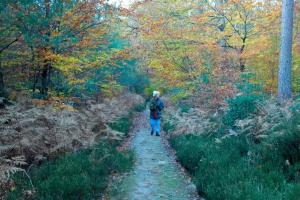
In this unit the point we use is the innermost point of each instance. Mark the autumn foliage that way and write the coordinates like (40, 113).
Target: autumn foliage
(188, 44)
(59, 48)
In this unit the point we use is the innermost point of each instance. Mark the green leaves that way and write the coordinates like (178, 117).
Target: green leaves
(245, 103)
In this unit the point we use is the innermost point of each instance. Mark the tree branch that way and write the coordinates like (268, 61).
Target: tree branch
(9, 44)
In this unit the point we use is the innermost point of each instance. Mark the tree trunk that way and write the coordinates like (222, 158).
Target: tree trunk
(242, 64)
(35, 78)
(285, 63)
(2, 88)
(45, 76)
(241, 59)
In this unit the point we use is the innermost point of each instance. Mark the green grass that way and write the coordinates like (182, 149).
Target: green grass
(122, 125)
(139, 108)
(236, 169)
(168, 127)
(243, 166)
(81, 175)
(184, 107)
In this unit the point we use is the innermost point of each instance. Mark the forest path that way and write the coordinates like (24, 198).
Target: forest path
(156, 175)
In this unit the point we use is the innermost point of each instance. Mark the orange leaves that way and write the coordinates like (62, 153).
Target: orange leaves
(56, 102)
(68, 15)
(216, 37)
(121, 55)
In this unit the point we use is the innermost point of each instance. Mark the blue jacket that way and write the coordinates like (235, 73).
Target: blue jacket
(159, 108)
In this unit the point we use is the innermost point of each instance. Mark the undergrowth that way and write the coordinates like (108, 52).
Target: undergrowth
(236, 169)
(80, 175)
(168, 126)
(246, 165)
(139, 107)
(124, 123)
(245, 103)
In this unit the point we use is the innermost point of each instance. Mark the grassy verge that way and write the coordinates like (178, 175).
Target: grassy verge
(237, 169)
(254, 165)
(81, 175)
(168, 127)
(124, 123)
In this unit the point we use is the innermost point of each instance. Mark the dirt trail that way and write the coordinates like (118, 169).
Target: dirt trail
(155, 175)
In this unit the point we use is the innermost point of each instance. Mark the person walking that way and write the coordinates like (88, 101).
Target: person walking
(156, 107)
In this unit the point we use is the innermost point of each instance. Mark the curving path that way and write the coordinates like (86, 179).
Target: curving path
(156, 176)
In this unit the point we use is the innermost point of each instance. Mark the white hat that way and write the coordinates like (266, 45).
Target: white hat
(156, 93)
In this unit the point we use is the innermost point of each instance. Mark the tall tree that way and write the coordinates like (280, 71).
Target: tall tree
(285, 65)
(54, 31)
(8, 37)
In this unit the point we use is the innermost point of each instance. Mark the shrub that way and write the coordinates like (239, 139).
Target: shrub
(122, 125)
(168, 126)
(244, 104)
(240, 107)
(189, 150)
(184, 107)
(231, 169)
(289, 144)
(81, 175)
(282, 148)
(294, 193)
(140, 107)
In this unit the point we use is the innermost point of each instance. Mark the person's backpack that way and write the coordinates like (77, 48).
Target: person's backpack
(153, 105)
(153, 108)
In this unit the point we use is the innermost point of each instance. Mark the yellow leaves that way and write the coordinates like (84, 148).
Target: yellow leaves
(68, 15)
(180, 95)
(111, 89)
(75, 81)
(70, 65)
(156, 64)
(67, 64)
(247, 28)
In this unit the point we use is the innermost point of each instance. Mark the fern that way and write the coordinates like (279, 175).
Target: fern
(6, 148)
(19, 161)
(9, 171)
